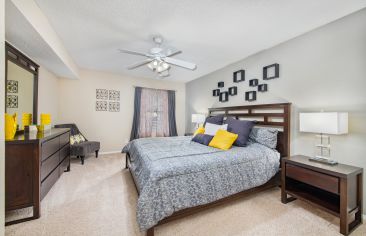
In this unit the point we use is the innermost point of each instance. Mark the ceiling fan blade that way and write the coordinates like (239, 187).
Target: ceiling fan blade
(174, 53)
(133, 53)
(184, 64)
(138, 64)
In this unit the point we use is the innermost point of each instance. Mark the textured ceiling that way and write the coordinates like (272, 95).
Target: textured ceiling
(210, 33)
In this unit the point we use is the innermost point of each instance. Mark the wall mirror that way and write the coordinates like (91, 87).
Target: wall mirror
(21, 84)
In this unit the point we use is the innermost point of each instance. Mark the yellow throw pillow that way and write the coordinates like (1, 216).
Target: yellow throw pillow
(223, 140)
(200, 130)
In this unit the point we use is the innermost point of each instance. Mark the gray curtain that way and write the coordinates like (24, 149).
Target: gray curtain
(136, 114)
(171, 115)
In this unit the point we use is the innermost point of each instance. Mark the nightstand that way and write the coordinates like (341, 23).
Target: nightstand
(335, 189)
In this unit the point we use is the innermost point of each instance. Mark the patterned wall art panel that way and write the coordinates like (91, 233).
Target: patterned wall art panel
(114, 95)
(12, 86)
(114, 106)
(102, 94)
(101, 105)
(12, 101)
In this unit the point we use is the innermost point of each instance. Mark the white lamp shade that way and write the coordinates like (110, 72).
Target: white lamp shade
(198, 118)
(324, 122)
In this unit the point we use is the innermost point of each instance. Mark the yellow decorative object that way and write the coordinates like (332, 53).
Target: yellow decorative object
(26, 119)
(223, 140)
(10, 125)
(45, 119)
(200, 130)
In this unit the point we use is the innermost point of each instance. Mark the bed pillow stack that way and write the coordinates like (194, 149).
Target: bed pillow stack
(240, 127)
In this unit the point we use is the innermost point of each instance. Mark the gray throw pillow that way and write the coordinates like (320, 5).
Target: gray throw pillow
(217, 120)
(204, 139)
(240, 127)
(264, 136)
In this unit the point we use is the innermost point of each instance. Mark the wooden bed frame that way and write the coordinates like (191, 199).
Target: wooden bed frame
(267, 115)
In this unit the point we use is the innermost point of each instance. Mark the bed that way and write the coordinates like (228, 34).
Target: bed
(176, 177)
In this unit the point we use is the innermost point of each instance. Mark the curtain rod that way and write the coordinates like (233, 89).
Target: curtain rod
(156, 88)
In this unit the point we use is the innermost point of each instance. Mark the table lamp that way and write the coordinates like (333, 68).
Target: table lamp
(198, 119)
(334, 123)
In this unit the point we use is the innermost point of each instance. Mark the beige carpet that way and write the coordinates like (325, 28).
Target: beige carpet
(99, 199)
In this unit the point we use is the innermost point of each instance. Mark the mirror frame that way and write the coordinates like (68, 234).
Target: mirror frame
(14, 55)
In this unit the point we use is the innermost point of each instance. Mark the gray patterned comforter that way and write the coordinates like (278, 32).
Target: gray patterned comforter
(174, 173)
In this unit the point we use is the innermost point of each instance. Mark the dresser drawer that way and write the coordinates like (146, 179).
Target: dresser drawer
(64, 139)
(64, 152)
(50, 147)
(323, 181)
(49, 182)
(49, 165)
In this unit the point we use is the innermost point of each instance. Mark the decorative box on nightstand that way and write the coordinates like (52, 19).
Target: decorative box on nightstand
(336, 189)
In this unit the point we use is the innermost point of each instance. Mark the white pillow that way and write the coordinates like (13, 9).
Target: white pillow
(211, 129)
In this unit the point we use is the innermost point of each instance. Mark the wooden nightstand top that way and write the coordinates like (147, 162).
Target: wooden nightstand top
(339, 170)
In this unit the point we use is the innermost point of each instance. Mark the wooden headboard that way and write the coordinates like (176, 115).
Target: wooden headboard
(268, 115)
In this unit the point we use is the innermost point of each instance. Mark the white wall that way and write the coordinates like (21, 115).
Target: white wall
(2, 109)
(322, 69)
(48, 94)
(112, 129)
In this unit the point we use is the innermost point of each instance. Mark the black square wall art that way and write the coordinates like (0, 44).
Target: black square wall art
(12, 86)
(216, 92)
(12, 101)
(220, 84)
(233, 91)
(224, 97)
(271, 71)
(262, 88)
(250, 96)
(239, 76)
(102, 94)
(253, 82)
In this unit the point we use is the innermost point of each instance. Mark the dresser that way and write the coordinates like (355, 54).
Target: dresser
(33, 164)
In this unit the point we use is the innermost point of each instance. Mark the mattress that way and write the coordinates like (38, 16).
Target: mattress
(174, 173)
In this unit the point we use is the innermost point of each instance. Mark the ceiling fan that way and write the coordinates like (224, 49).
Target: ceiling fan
(158, 59)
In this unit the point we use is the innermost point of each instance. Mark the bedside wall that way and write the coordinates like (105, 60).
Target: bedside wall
(322, 69)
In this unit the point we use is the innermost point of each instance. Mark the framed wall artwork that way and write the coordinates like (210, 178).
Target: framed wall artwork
(12, 86)
(271, 71)
(216, 92)
(114, 95)
(233, 91)
(102, 94)
(262, 88)
(250, 96)
(101, 105)
(253, 82)
(114, 106)
(220, 84)
(12, 101)
(239, 76)
(224, 96)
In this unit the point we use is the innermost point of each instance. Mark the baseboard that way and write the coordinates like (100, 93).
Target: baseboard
(110, 152)
(364, 216)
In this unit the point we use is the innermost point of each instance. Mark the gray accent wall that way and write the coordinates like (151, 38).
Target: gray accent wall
(324, 69)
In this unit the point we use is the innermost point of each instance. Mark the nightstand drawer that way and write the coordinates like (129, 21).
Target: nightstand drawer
(323, 181)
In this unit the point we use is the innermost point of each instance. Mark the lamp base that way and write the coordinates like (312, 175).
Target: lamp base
(323, 160)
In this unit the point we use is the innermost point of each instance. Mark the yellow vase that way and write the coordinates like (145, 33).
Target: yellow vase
(10, 125)
(26, 119)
